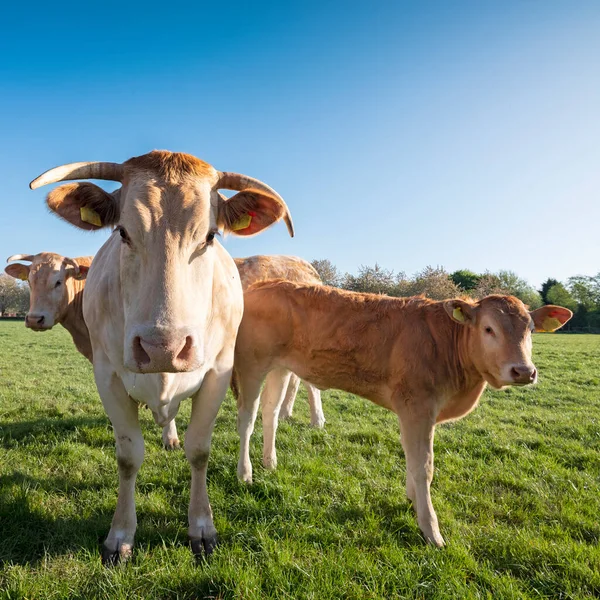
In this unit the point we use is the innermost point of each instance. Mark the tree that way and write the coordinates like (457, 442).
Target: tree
(374, 280)
(586, 290)
(545, 287)
(558, 294)
(465, 279)
(327, 272)
(14, 297)
(435, 283)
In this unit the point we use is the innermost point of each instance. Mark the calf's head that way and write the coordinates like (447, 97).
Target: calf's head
(498, 332)
(165, 218)
(50, 281)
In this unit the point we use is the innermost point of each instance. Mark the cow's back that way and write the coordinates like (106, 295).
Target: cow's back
(263, 267)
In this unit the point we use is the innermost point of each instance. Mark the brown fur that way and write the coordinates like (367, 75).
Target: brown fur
(171, 167)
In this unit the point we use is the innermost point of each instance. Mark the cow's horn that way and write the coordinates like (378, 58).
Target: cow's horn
(73, 263)
(81, 170)
(27, 257)
(239, 183)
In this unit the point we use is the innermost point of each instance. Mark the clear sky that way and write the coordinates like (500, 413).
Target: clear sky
(462, 134)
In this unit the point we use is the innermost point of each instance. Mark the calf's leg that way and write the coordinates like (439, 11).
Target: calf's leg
(317, 418)
(287, 408)
(272, 396)
(247, 404)
(417, 429)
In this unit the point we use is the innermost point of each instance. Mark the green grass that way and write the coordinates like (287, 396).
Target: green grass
(516, 491)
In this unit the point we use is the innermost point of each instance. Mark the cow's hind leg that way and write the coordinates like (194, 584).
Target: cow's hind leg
(123, 414)
(287, 408)
(205, 406)
(247, 404)
(317, 418)
(169, 436)
(417, 429)
(272, 396)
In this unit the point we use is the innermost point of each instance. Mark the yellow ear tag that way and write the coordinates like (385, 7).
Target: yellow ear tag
(89, 215)
(551, 324)
(242, 223)
(457, 313)
(23, 277)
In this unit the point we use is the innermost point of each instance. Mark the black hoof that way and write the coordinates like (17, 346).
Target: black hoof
(203, 547)
(110, 558)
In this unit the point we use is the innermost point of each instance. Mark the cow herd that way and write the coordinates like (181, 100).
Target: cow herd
(164, 314)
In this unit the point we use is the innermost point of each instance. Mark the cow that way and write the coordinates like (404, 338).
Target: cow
(56, 293)
(163, 302)
(291, 268)
(427, 361)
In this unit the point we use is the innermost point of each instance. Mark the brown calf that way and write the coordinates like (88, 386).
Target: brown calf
(426, 361)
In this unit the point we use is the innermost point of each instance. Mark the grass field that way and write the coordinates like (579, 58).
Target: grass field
(516, 491)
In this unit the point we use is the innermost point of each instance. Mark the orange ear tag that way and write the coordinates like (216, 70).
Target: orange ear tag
(242, 223)
(551, 324)
(89, 215)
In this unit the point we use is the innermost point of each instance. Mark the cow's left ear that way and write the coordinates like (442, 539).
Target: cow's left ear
(83, 272)
(460, 311)
(249, 212)
(18, 271)
(550, 317)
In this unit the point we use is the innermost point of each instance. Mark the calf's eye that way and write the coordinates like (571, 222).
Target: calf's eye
(489, 330)
(57, 284)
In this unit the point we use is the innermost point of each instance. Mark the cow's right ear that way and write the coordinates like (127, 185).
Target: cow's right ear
(460, 311)
(18, 271)
(85, 205)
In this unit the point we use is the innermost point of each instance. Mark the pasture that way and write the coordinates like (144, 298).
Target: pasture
(517, 493)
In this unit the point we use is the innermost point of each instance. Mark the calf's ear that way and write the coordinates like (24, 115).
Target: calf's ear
(85, 205)
(460, 311)
(550, 317)
(18, 271)
(249, 212)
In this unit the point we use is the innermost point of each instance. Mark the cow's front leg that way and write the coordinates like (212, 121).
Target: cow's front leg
(287, 408)
(417, 429)
(169, 436)
(205, 406)
(123, 414)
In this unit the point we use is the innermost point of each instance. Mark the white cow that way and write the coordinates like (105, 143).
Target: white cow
(162, 303)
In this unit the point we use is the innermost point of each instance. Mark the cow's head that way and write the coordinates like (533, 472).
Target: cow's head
(51, 291)
(165, 218)
(499, 335)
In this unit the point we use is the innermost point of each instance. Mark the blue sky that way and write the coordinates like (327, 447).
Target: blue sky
(462, 134)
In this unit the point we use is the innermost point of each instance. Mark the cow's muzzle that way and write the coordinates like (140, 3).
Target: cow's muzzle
(37, 322)
(152, 350)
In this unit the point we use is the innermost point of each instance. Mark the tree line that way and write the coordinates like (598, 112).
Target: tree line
(14, 296)
(580, 293)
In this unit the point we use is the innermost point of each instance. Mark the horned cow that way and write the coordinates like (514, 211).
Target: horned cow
(427, 361)
(162, 303)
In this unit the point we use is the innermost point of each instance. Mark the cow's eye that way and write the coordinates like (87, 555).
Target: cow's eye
(57, 284)
(124, 235)
(489, 330)
(210, 238)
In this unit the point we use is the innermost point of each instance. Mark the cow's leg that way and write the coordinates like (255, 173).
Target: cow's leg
(272, 396)
(287, 408)
(247, 403)
(317, 418)
(123, 414)
(169, 436)
(205, 406)
(417, 430)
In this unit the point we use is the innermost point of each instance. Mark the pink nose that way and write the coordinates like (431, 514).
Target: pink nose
(523, 373)
(34, 321)
(172, 352)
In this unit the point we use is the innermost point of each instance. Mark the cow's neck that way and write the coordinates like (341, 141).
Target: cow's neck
(73, 321)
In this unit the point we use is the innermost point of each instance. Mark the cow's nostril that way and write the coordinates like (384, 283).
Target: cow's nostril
(515, 373)
(139, 354)
(40, 320)
(186, 352)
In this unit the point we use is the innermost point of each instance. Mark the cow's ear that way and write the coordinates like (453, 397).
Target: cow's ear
(18, 271)
(85, 205)
(83, 272)
(249, 212)
(550, 317)
(460, 311)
